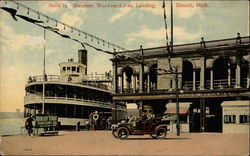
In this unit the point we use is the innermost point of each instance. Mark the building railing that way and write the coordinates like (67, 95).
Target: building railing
(188, 85)
(225, 43)
(217, 84)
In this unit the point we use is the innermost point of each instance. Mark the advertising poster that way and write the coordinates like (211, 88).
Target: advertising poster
(90, 77)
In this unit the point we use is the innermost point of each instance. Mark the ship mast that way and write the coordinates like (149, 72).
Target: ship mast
(43, 71)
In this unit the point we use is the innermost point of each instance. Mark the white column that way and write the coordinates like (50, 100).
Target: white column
(115, 83)
(119, 83)
(141, 78)
(148, 83)
(202, 74)
(211, 78)
(122, 83)
(194, 80)
(229, 76)
(248, 80)
(134, 85)
(237, 81)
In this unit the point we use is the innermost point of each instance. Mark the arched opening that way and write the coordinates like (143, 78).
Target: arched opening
(153, 77)
(220, 73)
(127, 75)
(187, 75)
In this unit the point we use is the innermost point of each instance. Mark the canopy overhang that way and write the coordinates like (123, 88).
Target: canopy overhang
(183, 108)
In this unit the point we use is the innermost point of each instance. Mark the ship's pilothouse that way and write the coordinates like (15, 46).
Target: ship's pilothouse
(72, 71)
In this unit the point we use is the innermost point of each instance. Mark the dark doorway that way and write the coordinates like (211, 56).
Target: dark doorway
(153, 76)
(127, 76)
(220, 69)
(187, 75)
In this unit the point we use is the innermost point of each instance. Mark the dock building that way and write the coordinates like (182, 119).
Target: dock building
(210, 73)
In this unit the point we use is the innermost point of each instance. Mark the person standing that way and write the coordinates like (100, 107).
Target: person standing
(28, 124)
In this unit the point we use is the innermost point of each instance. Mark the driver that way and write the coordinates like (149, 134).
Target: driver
(132, 120)
(150, 116)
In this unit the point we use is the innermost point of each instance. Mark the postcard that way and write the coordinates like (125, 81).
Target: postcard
(127, 77)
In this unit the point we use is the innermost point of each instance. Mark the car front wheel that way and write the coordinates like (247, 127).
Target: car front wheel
(161, 133)
(153, 136)
(114, 133)
(122, 133)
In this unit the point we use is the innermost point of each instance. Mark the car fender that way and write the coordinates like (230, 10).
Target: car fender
(162, 125)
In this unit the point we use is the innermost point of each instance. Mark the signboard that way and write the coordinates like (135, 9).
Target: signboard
(42, 121)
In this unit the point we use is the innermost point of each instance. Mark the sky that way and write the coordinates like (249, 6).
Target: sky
(137, 23)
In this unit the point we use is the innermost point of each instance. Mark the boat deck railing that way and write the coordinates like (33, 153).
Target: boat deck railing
(35, 98)
(98, 81)
(98, 77)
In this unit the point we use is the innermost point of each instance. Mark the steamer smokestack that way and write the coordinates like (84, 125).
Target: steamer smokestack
(82, 58)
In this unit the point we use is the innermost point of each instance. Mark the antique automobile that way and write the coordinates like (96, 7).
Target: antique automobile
(155, 127)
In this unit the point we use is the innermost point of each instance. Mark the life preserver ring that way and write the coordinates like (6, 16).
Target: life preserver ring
(96, 117)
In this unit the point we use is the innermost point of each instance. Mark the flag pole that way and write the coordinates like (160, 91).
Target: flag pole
(176, 75)
(44, 36)
(172, 32)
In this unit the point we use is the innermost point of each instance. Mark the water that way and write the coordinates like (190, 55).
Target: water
(11, 125)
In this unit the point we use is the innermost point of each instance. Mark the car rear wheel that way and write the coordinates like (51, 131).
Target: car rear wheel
(122, 133)
(114, 133)
(161, 133)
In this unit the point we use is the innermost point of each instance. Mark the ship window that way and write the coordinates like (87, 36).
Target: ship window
(77, 69)
(64, 68)
(68, 68)
(73, 68)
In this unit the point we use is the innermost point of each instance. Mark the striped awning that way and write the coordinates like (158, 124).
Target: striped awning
(183, 107)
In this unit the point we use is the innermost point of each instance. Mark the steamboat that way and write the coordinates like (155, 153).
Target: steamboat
(73, 95)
